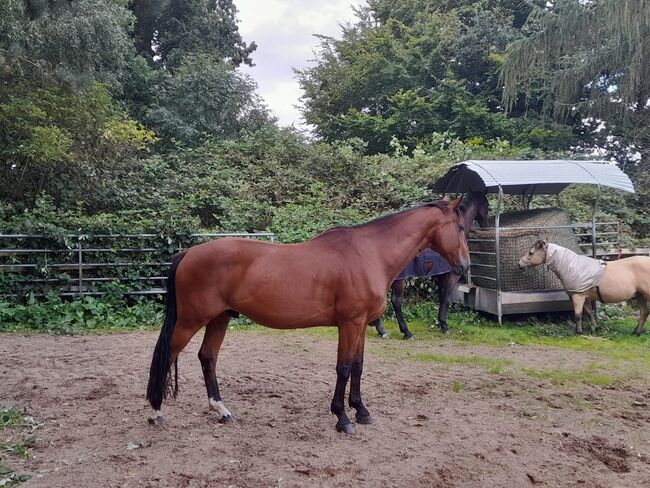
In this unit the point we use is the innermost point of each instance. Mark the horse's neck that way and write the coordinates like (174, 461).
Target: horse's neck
(556, 256)
(400, 240)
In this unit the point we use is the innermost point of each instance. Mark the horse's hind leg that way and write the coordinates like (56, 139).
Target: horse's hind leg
(212, 340)
(379, 326)
(362, 416)
(642, 301)
(181, 336)
(396, 299)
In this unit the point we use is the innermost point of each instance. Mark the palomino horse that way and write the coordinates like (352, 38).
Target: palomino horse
(339, 278)
(474, 206)
(587, 279)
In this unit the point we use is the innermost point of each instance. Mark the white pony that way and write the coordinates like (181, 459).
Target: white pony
(586, 279)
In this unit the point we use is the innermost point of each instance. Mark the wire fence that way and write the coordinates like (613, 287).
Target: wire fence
(86, 264)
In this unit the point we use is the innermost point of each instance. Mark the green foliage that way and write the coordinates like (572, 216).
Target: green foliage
(65, 144)
(204, 96)
(168, 30)
(66, 42)
(406, 71)
(86, 314)
(597, 76)
(11, 417)
(20, 448)
(601, 68)
(310, 216)
(14, 418)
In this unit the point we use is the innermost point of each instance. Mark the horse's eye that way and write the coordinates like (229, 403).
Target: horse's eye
(461, 227)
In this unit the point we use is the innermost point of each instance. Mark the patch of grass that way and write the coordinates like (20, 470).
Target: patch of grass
(13, 479)
(457, 387)
(614, 339)
(20, 448)
(560, 377)
(492, 365)
(11, 417)
(15, 418)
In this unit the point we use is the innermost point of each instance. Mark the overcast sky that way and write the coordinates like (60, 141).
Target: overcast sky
(283, 32)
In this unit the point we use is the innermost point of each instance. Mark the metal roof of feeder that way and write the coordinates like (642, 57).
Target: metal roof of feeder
(531, 177)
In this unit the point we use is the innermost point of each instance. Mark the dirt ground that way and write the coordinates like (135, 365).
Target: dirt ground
(435, 425)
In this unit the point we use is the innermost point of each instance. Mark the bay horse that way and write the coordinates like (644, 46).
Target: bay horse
(474, 206)
(338, 278)
(586, 279)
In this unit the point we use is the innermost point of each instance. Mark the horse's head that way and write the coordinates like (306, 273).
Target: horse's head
(536, 255)
(479, 209)
(448, 237)
(474, 207)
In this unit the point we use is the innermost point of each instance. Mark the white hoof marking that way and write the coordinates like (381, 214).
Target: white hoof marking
(219, 407)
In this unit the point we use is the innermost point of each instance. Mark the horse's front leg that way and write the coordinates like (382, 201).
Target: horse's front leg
(578, 301)
(362, 415)
(446, 285)
(591, 315)
(208, 354)
(349, 334)
(396, 299)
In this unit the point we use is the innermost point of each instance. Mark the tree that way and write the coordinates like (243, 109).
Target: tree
(166, 31)
(590, 62)
(205, 97)
(68, 145)
(64, 41)
(409, 69)
(591, 58)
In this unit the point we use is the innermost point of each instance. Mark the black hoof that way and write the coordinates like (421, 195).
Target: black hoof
(345, 428)
(363, 419)
(444, 329)
(579, 332)
(408, 336)
(383, 335)
(156, 421)
(228, 419)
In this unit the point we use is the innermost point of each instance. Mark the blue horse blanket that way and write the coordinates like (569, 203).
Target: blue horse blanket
(427, 263)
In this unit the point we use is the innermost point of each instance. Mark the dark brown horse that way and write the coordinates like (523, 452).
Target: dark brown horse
(338, 278)
(473, 207)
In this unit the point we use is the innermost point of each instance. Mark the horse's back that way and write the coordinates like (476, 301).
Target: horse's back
(634, 264)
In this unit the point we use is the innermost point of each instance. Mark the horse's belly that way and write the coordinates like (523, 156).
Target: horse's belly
(285, 305)
(616, 285)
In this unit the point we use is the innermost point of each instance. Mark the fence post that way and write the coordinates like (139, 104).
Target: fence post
(80, 264)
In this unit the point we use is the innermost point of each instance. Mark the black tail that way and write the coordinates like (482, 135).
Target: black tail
(160, 372)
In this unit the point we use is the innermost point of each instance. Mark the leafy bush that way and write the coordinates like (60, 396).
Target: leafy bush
(55, 316)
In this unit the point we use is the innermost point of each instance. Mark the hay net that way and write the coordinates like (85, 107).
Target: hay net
(514, 244)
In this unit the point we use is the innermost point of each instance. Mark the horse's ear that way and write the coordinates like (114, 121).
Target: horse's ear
(446, 198)
(540, 245)
(456, 203)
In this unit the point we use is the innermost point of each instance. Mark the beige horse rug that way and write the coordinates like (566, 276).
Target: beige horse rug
(577, 273)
